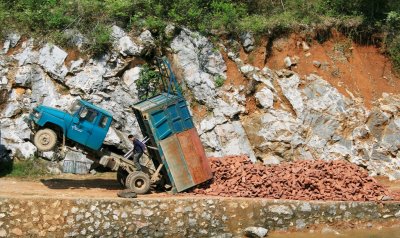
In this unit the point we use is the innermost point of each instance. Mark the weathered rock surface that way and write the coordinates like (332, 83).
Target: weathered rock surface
(51, 58)
(248, 41)
(41, 78)
(265, 98)
(75, 38)
(11, 41)
(198, 64)
(296, 117)
(129, 48)
(90, 78)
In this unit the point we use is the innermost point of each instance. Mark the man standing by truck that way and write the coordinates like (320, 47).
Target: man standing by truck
(138, 148)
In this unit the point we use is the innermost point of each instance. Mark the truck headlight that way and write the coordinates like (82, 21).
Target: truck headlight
(36, 114)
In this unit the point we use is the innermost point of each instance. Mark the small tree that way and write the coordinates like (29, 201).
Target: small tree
(148, 84)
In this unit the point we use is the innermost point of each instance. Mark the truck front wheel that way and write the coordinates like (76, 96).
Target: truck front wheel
(45, 139)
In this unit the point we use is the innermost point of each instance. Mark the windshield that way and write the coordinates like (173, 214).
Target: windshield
(75, 107)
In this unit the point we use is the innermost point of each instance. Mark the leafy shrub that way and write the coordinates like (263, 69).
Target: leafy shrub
(101, 39)
(394, 52)
(393, 21)
(154, 23)
(219, 81)
(119, 9)
(226, 15)
(148, 84)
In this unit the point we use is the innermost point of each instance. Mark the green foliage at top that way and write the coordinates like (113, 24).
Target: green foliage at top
(226, 15)
(93, 18)
(46, 16)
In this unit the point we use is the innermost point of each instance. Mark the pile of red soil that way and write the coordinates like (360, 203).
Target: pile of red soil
(338, 180)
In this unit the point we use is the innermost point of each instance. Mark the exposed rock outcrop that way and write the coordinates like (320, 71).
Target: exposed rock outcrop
(297, 117)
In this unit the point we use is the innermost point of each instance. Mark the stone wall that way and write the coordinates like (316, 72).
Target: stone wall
(175, 216)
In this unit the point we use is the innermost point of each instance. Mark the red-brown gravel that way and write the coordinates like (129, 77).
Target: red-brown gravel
(338, 180)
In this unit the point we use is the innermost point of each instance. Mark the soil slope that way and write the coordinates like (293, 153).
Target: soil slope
(361, 70)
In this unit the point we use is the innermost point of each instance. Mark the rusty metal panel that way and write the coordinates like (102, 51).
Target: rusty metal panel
(178, 171)
(195, 156)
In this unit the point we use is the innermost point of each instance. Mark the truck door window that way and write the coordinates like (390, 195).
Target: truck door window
(103, 121)
(75, 107)
(90, 116)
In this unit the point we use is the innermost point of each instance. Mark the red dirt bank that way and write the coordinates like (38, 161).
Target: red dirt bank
(361, 69)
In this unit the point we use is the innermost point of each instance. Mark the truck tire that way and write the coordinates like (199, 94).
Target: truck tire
(121, 176)
(138, 181)
(45, 139)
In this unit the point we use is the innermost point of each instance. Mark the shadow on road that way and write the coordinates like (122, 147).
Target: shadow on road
(109, 184)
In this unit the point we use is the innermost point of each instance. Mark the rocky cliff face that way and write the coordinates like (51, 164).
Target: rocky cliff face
(297, 117)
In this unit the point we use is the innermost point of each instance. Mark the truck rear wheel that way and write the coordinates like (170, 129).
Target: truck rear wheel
(45, 139)
(138, 181)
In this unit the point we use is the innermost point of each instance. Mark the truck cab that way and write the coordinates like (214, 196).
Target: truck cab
(84, 123)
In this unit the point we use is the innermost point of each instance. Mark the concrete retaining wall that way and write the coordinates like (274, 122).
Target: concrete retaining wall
(174, 216)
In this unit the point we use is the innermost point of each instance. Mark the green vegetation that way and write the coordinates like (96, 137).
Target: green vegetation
(219, 81)
(32, 168)
(93, 18)
(147, 84)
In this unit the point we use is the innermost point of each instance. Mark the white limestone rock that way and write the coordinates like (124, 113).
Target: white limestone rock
(255, 232)
(90, 78)
(196, 58)
(130, 76)
(43, 88)
(76, 66)
(11, 41)
(289, 88)
(147, 39)
(112, 138)
(51, 58)
(265, 98)
(75, 38)
(279, 125)
(247, 41)
(233, 140)
(117, 33)
(127, 47)
(28, 55)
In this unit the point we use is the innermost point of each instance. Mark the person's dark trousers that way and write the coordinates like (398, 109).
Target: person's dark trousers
(136, 158)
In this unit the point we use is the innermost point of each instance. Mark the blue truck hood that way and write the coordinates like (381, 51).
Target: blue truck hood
(55, 112)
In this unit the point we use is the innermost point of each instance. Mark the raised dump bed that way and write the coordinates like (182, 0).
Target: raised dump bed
(173, 139)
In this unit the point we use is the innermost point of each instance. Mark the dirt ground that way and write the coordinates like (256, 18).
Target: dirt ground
(102, 185)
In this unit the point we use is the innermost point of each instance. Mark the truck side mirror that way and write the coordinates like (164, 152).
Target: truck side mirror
(83, 113)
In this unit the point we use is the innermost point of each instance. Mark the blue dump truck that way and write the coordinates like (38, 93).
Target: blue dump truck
(177, 157)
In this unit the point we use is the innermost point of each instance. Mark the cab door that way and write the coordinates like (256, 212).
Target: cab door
(99, 131)
(81, 129)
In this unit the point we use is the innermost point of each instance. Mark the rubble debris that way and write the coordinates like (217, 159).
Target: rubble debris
(317, 64)
(127, 193)
(336, 180)
(255, 232)
(305, 46)
(288, 62)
